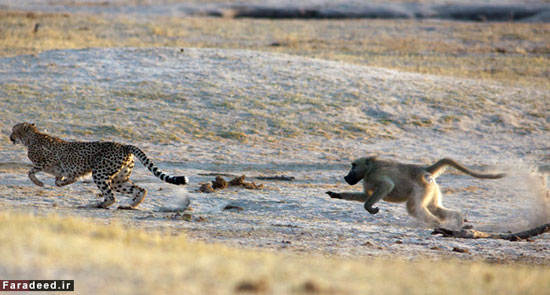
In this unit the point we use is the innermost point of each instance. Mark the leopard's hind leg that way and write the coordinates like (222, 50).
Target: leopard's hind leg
(121, 183)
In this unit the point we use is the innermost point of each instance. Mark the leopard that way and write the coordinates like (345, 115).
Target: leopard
(109, 163)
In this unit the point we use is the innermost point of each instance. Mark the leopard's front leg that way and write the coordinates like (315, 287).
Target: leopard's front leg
(62, 181)
(33, 178)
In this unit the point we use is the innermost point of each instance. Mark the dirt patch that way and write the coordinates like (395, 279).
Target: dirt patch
(304, 117)
(220, 183)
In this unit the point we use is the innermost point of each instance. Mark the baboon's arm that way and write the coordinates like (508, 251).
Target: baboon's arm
(383, 187)
(361, 197)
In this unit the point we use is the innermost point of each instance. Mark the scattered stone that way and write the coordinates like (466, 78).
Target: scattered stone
(310, 287)
(259, 286)
(206, 188)
(252, 185)
(219, 183)
(435, 248)
(233, 207)
(239, 181)
(186, 217)
(460, 250)
(262, 177)
(399, 242)
(181, 216)
(200, 219)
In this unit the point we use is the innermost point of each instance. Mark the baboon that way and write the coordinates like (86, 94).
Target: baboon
(415, 184)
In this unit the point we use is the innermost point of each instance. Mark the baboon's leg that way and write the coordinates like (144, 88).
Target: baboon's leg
(417, 205)
(121, 183)
(383, 188)
(104, 184)
(436, 208)
(32, 176)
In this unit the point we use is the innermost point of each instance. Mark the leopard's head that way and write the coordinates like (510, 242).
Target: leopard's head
(20, 130)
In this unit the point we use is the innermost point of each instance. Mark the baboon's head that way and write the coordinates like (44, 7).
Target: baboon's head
(19, 131)
(359, 168)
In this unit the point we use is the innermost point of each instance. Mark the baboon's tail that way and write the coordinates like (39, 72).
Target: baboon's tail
(156, 171)
(438, 168)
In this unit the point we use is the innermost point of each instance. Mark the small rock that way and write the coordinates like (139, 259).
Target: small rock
(252, 185)
(237, 180)
(233, 207)
(219, 183)
(187, 217)
(206, 188)
(200, 219)
(310, 287)
(252, 286)
(460, 250)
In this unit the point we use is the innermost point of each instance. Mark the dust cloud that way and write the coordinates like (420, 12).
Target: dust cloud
(530, 191)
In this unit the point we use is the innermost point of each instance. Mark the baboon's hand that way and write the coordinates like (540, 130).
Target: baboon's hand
(334, 195)
(372, 210)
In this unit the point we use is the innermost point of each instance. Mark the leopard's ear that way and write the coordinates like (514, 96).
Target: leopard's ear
(33, 125)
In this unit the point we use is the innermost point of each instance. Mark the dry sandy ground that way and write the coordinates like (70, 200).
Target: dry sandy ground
(245, 112)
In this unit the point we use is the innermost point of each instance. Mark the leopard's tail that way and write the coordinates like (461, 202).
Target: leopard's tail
(178, 180)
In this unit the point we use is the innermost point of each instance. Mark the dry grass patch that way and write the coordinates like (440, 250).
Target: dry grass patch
(511, 52)
(112, 259)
